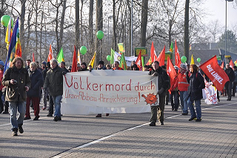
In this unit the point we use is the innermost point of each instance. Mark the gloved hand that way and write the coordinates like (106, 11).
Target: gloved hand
(160, 91)
(155, 74)
(64, 72)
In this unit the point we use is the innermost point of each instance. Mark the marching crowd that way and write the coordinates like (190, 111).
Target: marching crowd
(25, 86)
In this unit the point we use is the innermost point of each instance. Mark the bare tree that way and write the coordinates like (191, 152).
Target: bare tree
(144, 22)
(186, 30)
(91, 45)
(77, 22)
(99, 26)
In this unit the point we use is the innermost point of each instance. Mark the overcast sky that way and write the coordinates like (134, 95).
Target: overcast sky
(216, 9)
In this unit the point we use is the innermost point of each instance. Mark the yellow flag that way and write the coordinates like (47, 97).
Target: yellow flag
(92, 61)
(192, 60)
(121, 48)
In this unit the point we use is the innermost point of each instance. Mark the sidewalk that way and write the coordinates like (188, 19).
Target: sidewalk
(215, 136)
(126, 135)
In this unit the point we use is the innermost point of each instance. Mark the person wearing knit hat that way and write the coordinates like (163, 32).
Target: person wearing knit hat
(183, 88)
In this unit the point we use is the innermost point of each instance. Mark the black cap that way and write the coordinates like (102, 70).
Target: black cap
(63, 62)
(101, 62)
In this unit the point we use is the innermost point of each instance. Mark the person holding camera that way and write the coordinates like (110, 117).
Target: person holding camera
(17, 82)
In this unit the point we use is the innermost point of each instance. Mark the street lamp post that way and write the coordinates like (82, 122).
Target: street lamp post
(226, 26)
(131, 24)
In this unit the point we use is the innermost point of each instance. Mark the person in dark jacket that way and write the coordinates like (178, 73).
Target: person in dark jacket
(196, 84)
(17, 82)
(63, 67)
(45, 91)
(230, 73)
(34, 92)
(163, 83)
(54, 82)
(235, 81)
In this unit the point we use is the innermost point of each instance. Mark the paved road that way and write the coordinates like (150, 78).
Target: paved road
(126, 135)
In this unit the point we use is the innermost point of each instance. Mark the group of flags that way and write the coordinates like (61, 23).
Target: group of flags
(12, 40)
(119, 56)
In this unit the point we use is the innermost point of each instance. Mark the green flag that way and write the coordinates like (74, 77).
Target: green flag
(60, 57)
(123, 62)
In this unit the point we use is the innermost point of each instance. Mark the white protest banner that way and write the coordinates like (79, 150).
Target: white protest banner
(108, 91)
(209, 93)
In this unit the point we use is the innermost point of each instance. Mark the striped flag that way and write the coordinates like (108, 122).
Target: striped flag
(11, 46)
(50, 56)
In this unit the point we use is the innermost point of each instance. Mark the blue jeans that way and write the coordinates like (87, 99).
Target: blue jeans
(198, 108)
(184, 100)
(57, 104)
(21, 106)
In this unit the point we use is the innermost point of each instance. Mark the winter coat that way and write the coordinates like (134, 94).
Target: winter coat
(196, 84)
(54, 81)
(235, 75)
(16, 92)
(36, 79)
(230, 73)
(163, 79)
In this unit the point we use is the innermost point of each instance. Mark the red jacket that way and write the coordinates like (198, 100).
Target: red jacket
(119, 68)
(182, 82)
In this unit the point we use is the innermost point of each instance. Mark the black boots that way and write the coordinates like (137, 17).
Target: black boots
(14, 131)
(20, 128)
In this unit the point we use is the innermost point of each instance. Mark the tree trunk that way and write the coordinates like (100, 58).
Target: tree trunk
(186, 30)
(22, 20)
(77, 23)
(91, 46)
(99, 26)
(36, 32)
(144, 22)
(41, 34)
(61, 24)
(114, 25)
(81, 41)
(56, 31)
(28, 35)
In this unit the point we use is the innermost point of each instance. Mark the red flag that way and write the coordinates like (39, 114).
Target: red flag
(33, 56)
(50, 56)
(170, 71)
(139, 61)
(177, 56)
(231, 64)
(74, 61)
(161, 57)
(215, 73)
(222, 65)
(153, 54)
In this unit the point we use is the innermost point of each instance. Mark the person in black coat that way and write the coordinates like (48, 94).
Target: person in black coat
(163, 84)
(196, 84)
(230, 73)
(34, 92)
